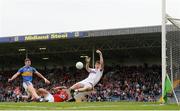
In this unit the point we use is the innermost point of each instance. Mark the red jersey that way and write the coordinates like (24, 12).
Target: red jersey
(60, 96)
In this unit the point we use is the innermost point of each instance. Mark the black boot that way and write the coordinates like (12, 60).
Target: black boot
(72, 93)
(72, 96)
(71, 100)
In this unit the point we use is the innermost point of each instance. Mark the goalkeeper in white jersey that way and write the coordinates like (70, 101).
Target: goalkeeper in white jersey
(93, 78)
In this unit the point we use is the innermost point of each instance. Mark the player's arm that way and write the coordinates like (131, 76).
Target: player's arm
(14, 76)
(101, 58)
(42, 77)
(87, 59)
(60, 87)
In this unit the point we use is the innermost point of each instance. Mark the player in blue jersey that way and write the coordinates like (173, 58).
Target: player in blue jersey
(27, 74)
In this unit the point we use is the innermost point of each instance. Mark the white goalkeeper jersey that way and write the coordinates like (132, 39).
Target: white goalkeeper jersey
(94, 76)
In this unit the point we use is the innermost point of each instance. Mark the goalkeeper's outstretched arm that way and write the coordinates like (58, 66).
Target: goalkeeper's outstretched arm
(87, 59)
(101, 58)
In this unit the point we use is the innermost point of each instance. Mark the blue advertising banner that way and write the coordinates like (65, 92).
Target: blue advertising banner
(53, 36)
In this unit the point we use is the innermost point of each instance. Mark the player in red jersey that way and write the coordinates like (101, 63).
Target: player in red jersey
(61, 94)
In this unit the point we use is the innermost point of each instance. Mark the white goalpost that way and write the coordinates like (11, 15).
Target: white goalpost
(163, 44)
(170, 48)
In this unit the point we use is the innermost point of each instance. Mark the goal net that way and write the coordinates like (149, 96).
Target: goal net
(173, 55)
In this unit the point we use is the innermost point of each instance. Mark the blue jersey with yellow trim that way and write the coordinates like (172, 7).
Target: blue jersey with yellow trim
(27, 73)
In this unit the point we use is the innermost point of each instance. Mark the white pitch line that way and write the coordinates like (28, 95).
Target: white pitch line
(89, 110)
(23, 106)
(92, 106)
(75, 108)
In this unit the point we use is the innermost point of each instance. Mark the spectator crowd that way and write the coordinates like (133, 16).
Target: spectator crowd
(119, 83)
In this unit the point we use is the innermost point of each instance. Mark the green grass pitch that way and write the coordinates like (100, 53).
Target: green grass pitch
(88, 106)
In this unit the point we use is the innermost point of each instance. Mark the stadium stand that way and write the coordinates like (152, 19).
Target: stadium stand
(129, 83)
(130, 55)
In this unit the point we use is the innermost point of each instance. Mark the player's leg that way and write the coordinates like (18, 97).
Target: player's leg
(76, 86)
(28, 96)
(30, 90)
(72, 90)
(87, 87)
(25, 97)
(47, 97)
(33, 92)
(82, 92)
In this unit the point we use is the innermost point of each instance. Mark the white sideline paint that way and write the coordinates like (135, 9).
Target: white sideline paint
(89, 110)
(24, 106)
(75, 108)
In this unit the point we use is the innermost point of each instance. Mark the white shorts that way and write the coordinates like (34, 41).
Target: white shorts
(87, 83)
(49, 97)
(25, 85)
